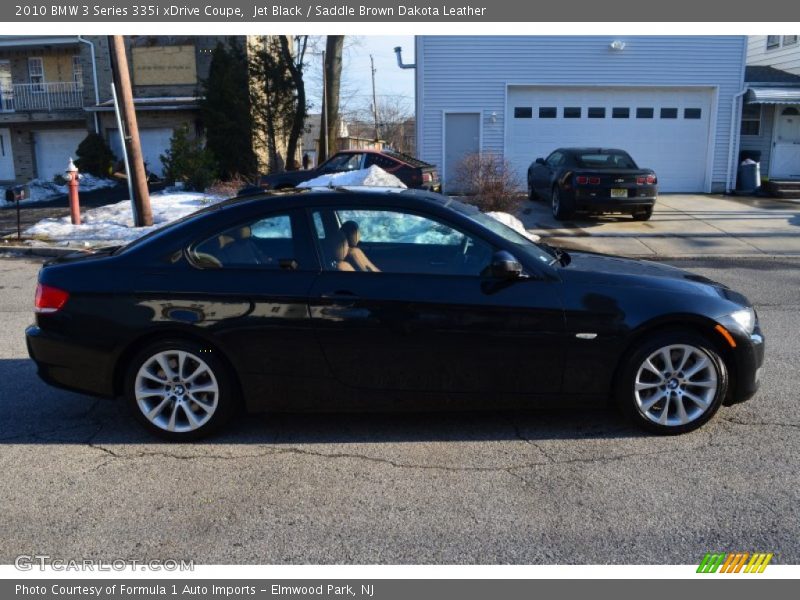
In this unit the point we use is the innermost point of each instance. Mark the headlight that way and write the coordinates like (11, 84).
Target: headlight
(745, 318)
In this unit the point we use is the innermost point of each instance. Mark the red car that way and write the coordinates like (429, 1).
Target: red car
(411, 171)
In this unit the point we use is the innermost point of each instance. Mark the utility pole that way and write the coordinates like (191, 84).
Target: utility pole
(130, 137)
(374, 98)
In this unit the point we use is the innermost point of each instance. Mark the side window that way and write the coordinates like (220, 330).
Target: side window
(343, 162)
(384, 162)
(266, 243)
(555, 159)
(393, 241)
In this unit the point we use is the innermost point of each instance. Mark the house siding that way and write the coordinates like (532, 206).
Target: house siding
(785, 58)
(763, 141)
(471, 73)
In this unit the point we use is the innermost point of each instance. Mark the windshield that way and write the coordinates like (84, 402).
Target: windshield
(604, 160)
(522, 245)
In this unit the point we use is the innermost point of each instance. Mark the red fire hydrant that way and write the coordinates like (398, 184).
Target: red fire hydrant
(72, 184)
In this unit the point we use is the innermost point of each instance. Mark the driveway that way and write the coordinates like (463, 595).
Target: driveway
(683, 225)
(79, 479)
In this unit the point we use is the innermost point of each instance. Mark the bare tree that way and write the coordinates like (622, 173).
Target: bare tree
(295, 63)
(489, 181)
(334, 47)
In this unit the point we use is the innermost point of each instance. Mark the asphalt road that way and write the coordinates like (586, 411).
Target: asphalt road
(79, 479)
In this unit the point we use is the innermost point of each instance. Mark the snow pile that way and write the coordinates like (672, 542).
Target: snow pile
(41, 190)
(114, 223)
(514, 223)
(373, 177)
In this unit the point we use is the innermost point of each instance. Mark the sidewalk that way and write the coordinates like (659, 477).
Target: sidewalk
(683, 225)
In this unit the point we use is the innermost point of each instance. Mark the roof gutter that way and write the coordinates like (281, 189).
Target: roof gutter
(736, 118)
(399, 52)
(94, 81)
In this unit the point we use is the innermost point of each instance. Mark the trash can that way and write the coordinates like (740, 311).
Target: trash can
(749, 176)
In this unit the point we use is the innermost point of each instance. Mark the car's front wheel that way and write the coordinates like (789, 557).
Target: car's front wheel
(532, 195)
(672, 383)
(179, 390)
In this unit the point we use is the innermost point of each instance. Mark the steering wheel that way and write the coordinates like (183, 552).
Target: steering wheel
(205, 260)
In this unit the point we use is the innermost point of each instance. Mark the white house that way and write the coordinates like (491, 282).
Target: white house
(771, 113)
(672, 101)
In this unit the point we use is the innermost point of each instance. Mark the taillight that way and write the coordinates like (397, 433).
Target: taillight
(583, 180)
(648, 180)
(427, 177)
(49, 299)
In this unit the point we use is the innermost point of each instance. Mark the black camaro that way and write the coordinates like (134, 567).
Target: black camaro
(357, 299)
(594, 181)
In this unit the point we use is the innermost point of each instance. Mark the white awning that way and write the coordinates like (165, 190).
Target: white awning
(773, 95)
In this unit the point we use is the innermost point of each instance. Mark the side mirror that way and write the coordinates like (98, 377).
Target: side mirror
(540, 161)
(505, 266)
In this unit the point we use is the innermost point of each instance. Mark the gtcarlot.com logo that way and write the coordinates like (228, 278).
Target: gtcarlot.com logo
(734, 562)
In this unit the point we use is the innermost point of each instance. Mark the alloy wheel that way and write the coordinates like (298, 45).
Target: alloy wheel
(176, 391)
(676, 385)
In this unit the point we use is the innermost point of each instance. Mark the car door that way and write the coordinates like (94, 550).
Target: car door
(430, 319)
(544, 174)
(251, 294)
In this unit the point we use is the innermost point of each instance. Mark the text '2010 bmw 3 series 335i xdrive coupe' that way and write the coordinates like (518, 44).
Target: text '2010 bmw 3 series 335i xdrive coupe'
(383, 299)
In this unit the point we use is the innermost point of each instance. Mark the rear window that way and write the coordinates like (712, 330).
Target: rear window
(604, 160)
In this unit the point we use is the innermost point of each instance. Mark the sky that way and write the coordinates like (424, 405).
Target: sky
(390, 80)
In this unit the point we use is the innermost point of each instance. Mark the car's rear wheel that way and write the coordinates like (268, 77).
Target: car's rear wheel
(672, 383)
(179, 390)
(643, 215)
(532, 195)
(560, 206)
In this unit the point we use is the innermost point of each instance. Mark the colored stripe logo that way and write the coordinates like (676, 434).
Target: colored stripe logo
(734, 562)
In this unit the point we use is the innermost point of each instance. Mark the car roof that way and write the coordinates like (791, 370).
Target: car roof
(595, 149)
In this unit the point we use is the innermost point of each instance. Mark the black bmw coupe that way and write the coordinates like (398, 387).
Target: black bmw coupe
(367, 300)
(593, 181)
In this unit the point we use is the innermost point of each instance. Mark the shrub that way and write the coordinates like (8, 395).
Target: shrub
(230, 187)
(94, 156)
(489, 182)
(189, 161)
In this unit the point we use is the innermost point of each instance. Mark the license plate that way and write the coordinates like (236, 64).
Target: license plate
(619, 193)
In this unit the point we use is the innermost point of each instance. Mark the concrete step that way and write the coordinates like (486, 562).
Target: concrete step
(783, 188)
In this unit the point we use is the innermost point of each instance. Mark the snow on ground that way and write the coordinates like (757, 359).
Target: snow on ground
(113, 223)
(374, 176)
(515, 224)
(41, 190)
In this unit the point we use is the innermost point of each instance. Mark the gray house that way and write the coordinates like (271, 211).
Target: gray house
(672, 101)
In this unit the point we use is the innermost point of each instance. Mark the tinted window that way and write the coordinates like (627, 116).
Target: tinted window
(384, 162)
(691, 113)
(572, 112)
(604, 160)
(523, 112)
(342, 162)
(597, 112)
(619, 112)
(393, 241)
(644, 113)
(547, 112)
(669, 113)
(263, 243)
(555, 159)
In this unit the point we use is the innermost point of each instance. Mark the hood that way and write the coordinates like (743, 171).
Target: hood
(601, 269)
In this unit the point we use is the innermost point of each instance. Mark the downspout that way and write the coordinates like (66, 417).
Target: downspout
(736, 119)
(94, 82)
(399, 52)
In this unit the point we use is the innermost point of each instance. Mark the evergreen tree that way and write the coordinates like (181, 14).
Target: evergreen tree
(226, 112)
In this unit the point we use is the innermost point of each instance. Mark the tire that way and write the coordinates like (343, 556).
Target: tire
(532, 195)
(179, 410)
(690, 396)
(561, 211)
(643, 215)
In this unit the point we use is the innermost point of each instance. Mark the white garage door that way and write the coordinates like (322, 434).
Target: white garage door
(155, 142)
(665, 129)
(54, 148)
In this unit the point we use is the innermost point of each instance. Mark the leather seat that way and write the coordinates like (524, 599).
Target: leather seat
(340, 251)
(355, 255)
(237, 248)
